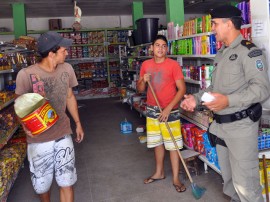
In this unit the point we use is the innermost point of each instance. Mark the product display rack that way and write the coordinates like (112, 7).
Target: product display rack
(112, 38)
(102, 42)
(8, 136)
(4, 197)
(18, 57)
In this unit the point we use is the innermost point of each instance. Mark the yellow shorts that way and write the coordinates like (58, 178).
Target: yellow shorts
(157, 132)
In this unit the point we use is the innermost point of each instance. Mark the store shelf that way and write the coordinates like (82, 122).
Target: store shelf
(113, 57)
(4, 197)
(99, 79)
(6, 104)
(131, 70)
(264, 152)
(208, 56)
(7, 71)
(92, 44)
(86, 97)
(6, 33)
(188, 147)
(211, 165)
(141, 45)
(194, 122)
(7, 138)
(205, 160)
(246, 26)
(201, 157)
(192, 81)
(71, 30)
(81, 60)
(138, 57)
(192, 36)
(174, 56)
(118, 43)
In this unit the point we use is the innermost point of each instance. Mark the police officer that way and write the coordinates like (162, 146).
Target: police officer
(239, 80)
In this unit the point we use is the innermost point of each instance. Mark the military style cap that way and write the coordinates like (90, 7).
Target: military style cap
(51, 39)
(225, 11)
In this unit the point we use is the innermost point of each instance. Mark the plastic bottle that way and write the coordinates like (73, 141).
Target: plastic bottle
(176, 31)
(126, 127)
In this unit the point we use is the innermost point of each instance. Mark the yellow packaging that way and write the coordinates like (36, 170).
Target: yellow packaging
(262, 181)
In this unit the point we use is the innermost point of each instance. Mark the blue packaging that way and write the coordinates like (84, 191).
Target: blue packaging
(126, 127)
(194, 46)
(213, 48)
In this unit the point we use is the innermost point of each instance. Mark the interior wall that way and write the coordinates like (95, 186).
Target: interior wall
(88, 22)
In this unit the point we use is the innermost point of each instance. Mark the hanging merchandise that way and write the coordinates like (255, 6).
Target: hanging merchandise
(77, 14)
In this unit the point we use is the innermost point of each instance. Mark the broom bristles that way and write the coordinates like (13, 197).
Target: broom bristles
(197, 191)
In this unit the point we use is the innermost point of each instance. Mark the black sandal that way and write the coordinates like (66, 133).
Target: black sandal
(180, 188)
(150, 180)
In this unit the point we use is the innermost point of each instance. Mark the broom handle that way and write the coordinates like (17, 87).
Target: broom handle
(170, 132)
(265, 179)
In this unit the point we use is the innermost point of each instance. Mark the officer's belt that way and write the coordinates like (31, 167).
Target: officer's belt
(228, 118)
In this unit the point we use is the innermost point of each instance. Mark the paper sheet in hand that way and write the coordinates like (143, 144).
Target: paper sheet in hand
(207, 97)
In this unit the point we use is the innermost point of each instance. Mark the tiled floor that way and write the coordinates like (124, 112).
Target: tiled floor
(111, 166)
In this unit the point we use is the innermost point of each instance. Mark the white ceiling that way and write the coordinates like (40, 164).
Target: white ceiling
(61, 8)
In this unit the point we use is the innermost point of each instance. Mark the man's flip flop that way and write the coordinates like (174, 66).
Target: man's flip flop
(150, 180)
(180, 188)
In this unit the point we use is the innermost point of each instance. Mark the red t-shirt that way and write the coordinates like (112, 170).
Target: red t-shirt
(163, 78)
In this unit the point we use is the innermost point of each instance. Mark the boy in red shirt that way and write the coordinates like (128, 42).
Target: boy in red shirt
(167, 80)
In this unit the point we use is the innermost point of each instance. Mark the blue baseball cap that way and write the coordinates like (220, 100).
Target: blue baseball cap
(51, 39)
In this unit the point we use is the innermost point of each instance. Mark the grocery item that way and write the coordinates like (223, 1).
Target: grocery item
(36, 114)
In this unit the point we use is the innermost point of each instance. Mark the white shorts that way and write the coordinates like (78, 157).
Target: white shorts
(47, 158)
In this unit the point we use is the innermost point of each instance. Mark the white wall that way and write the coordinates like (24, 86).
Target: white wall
(260, 32)
(89, 22)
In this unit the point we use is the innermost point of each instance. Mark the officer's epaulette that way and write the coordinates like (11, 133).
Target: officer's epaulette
(248, 44)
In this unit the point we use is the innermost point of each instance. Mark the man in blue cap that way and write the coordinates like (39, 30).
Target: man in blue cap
(51, 153)
(239, 83)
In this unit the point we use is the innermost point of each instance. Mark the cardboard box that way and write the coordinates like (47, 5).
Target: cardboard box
(55, 24)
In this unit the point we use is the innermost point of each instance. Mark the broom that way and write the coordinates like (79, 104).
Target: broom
(197, 191)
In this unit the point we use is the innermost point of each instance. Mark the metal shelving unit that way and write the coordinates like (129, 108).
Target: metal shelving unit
(194, 122)
(4, 197)
(207, 163)
(9, 136)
